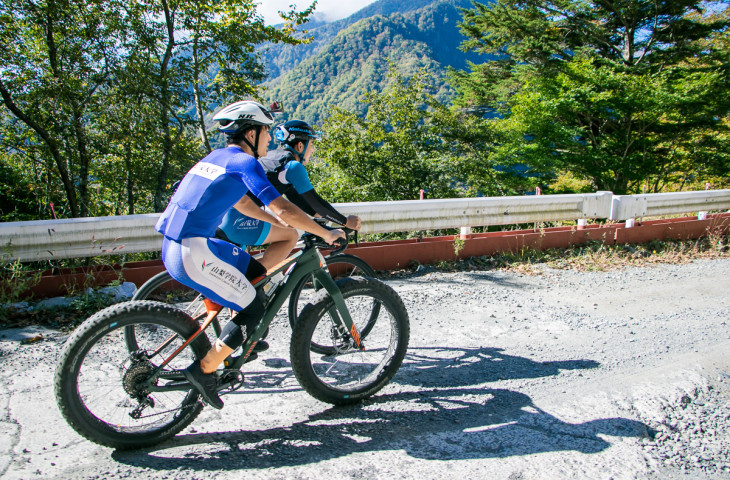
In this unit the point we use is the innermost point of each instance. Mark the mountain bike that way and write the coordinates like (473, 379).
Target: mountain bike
(163, 288)
(119, 381)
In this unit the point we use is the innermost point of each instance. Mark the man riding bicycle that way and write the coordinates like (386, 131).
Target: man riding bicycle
(285, 170)
(218, 269)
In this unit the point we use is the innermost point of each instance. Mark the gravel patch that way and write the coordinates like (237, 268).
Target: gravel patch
(565, 374)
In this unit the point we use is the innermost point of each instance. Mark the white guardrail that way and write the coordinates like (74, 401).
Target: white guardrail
(94, 236)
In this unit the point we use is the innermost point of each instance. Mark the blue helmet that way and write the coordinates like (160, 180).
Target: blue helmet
(295, 131)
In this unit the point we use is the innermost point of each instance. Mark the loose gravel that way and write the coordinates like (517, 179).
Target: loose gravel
(565, 374)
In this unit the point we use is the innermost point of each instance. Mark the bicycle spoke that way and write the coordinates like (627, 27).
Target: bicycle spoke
(348, 367)
(109, 375)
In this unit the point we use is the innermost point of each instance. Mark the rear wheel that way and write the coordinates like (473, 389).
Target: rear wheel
(162, 288)
(102, 388)
(346, 374)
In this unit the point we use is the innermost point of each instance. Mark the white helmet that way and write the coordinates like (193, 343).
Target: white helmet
(242, 115)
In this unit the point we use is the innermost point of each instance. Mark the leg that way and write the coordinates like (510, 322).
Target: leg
(233, 335)
(235, 293)
(282, 242)
(201, 374)
(215, 357)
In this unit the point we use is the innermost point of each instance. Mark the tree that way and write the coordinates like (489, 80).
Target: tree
(406, 142)
(611, 91)
(112, 90)
(221, 40)
(54, 60)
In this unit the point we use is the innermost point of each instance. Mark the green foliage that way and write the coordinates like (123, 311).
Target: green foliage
(625, 94)
(15, 281)
(357, 60)
(281, 58)
(96, 96)
(406, 142)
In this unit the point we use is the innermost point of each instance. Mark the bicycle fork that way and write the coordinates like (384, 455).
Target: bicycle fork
(339, 313)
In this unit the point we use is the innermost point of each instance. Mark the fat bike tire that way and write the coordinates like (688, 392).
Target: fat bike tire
(345, 374)
(98, 381)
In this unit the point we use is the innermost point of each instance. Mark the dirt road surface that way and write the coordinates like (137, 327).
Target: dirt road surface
(570, 375)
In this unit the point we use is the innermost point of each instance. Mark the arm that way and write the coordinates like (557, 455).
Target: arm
(249, 208)
(255, 179)
(305, 193)
(325, 210)
(295, 217)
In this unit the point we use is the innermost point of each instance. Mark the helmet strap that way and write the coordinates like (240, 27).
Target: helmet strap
(295, 152)
(255, 146)
(306, 145)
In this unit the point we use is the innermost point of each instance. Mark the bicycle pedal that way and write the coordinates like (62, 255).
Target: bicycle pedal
(230, 380)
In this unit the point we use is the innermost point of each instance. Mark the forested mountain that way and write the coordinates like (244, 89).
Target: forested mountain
(279, 59)
(357, 59)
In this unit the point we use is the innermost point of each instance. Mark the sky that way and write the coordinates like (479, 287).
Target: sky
(330, 9)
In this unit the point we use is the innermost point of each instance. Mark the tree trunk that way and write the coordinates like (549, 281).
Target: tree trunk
(83, 170)
(161, 187)
(198, 101)
(129, 184)
(68, 184)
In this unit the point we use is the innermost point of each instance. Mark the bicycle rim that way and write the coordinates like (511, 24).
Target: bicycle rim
(162, 288)
(102, 394)
(345, 373)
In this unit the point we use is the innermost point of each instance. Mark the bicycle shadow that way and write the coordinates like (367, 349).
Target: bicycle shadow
(466, 278)
(445, 367)
(432, 366)
(443, 419)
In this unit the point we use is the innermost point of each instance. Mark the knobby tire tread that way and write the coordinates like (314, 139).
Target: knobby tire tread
(301, 339)
(79, 344)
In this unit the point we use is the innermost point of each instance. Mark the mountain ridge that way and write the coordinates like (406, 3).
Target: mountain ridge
(357, 59)
(281, 58)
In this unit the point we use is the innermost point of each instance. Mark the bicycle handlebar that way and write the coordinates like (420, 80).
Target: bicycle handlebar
(312, 240)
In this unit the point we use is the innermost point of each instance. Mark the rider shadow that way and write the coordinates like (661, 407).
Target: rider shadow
(450, 417)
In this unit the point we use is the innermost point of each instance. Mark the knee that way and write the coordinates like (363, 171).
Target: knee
(291, 236)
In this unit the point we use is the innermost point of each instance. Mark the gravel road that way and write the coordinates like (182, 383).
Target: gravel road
(571, 375)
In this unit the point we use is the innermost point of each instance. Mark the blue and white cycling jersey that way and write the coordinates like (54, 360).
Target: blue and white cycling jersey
(296, 175)
(192, 257)
(210, 189)
(290, 178)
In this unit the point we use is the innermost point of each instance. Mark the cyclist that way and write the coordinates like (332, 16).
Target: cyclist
(216, 268)
(285, 170)
(247, 224)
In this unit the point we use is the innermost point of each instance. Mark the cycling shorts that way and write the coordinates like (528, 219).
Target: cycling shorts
(211, 266)
(243, 230)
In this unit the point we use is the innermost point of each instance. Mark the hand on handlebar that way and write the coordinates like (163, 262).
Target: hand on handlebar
(333, 235)
(353, 222)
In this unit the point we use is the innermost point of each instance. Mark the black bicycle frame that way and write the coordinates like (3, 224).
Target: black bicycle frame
(302, 263)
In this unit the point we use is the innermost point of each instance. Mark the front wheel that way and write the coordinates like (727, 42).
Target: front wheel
(104, 390)
(346, 374)
(339, 266)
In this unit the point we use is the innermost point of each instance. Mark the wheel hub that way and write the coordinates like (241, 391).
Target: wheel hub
(134, 379)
